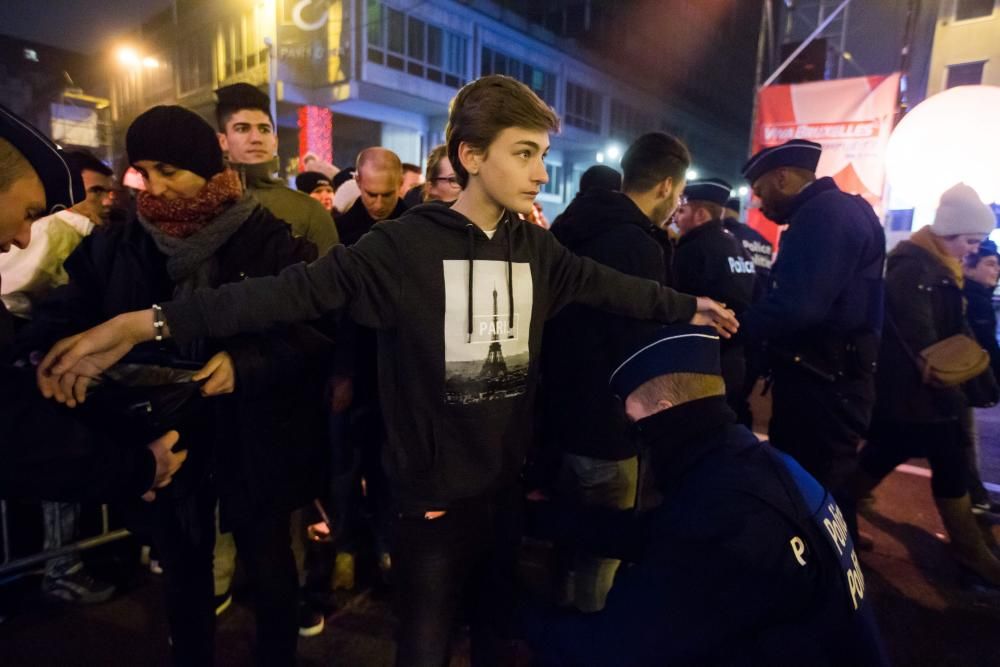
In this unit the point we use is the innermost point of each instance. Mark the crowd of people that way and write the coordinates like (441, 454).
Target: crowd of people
(426, 370)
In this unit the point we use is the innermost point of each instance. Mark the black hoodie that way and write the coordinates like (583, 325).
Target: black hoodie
(457, 366)
(584, 345)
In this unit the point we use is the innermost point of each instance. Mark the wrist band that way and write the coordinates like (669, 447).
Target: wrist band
(158, 323)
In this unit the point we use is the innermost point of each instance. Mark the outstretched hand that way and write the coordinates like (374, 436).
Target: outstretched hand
(713, 314)
(75, 362)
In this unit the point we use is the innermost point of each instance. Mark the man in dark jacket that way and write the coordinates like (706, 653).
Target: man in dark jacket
(44, 452)
(709, 260)
(582, 422)
(822, 316)
(746, 560)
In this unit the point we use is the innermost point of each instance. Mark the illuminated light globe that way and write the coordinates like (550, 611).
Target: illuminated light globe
(951, 137)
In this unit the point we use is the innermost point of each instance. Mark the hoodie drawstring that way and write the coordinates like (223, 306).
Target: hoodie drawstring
(510, 279)
(472, 260)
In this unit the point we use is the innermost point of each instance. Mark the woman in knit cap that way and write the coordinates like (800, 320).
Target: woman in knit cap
(913, 418)
(259, 447)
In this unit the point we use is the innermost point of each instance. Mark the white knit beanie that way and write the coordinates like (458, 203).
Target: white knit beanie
(962, 212)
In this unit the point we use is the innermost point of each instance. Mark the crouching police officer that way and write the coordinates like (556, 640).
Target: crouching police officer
(746, 560)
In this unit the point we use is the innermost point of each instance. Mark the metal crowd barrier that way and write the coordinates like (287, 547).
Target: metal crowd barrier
(11, 565)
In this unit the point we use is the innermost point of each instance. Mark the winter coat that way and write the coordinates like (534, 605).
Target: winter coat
(306, 216)
(459, 318)
(268, 437)
(584, 345)
(924, 305)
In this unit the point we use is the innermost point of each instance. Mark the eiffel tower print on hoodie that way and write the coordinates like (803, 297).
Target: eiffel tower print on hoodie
(486, 346)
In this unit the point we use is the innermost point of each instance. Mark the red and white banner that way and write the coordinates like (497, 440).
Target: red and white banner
(851, 118)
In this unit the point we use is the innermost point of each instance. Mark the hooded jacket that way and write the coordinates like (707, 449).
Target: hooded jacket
(584, 345)
(306, 216)
(459, 317)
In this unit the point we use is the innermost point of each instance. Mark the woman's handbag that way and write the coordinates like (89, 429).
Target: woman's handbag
(952, 361)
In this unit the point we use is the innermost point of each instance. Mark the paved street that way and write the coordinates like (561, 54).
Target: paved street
(925, 616)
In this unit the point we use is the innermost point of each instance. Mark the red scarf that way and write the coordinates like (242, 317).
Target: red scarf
(183, 217)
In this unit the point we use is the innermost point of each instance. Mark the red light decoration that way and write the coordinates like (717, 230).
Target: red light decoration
(316, 132)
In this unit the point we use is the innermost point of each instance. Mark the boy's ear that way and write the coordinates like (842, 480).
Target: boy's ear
(223, 141)
(470, 157)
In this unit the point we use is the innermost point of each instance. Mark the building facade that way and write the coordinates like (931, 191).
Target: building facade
(387, 70)
(966, 49)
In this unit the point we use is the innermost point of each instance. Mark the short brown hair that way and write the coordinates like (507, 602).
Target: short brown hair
(13, 165)
(486, 107)
(678, 388)
(433, 160)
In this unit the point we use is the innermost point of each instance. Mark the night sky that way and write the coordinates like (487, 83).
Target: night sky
(71, 24)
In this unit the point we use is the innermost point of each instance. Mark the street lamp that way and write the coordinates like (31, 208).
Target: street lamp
(692, 174)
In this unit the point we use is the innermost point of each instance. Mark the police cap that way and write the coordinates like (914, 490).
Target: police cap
(797, 153)
(63, 187)
(713, 190)
(675, 348)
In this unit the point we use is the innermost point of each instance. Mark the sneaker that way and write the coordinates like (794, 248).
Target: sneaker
(78, 588)
(222, 603)
(311, 621)
(155, 567)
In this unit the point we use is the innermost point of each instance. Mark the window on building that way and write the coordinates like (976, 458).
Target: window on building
(194, 64)
(627, 123)
(583, 108)
(539, 80)
(965, 74)
(973, 9)
(242, 42)
(411, 45)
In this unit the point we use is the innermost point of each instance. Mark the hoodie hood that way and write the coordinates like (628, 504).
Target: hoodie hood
(596, 213)
(453, 220)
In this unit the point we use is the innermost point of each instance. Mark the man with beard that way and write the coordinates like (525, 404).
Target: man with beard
(582, 422)
(822, 317)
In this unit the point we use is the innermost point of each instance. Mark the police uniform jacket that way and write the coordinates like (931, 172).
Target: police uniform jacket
(760, 249)
(710, 261)
(924, 305)
(733, 568)
(827, 280)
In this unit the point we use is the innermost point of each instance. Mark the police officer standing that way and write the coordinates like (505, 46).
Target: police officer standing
(822, 316)
(711, 261)
(44, 451)
(747, 560)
